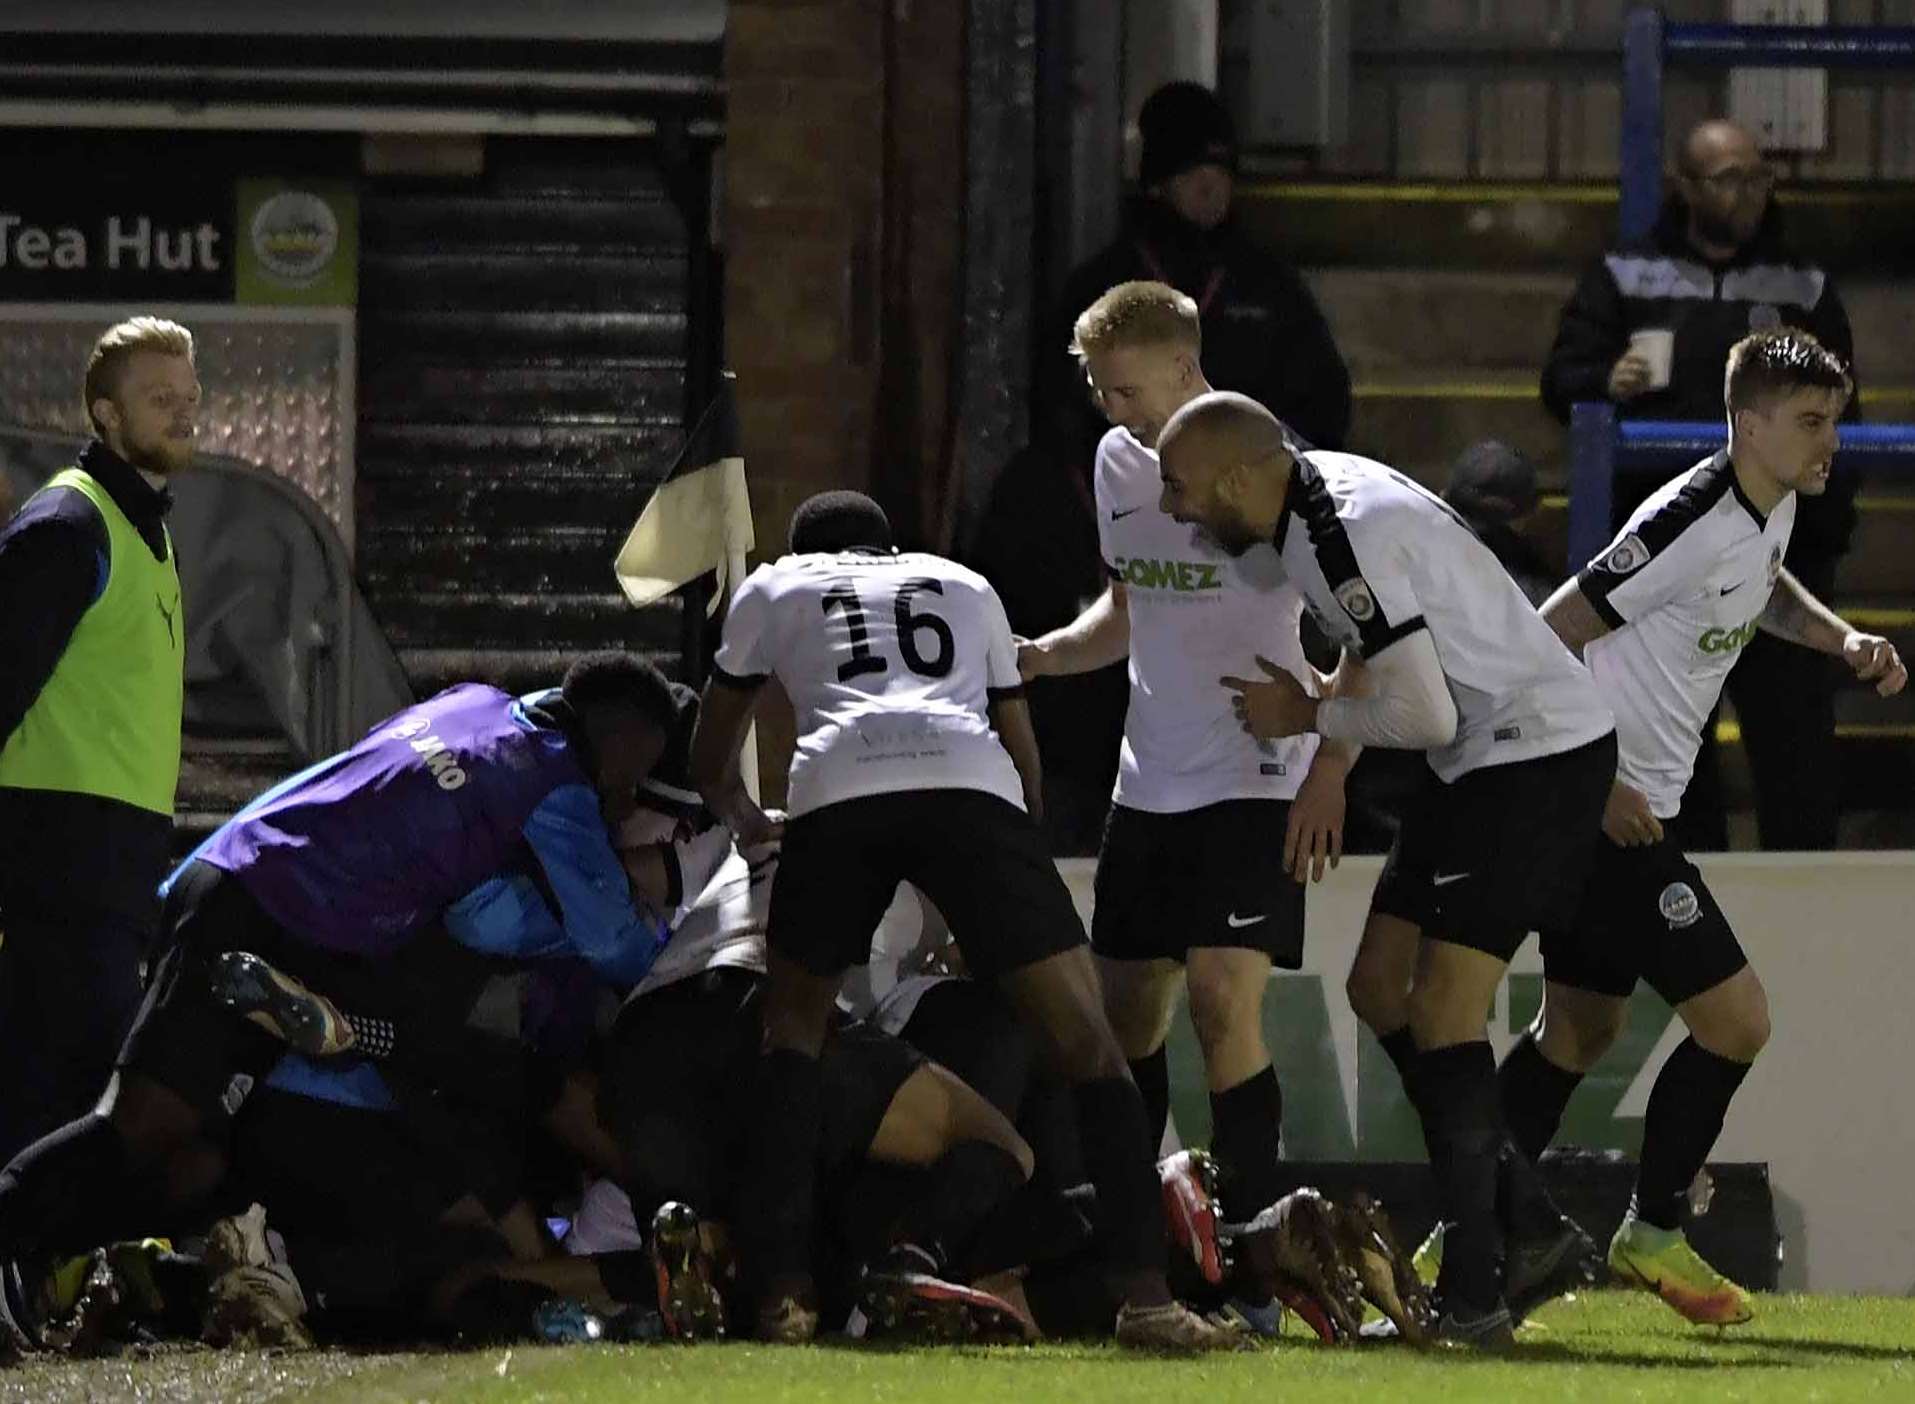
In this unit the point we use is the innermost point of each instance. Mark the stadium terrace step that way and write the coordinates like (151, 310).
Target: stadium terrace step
(528, 222)
(522, 670)
(521, 335)
(1395, 325)
(641, 449)
(495, 619)
(1420, 425)
(561, 281)
(551, 393)
(1539, 228)
(569, 559)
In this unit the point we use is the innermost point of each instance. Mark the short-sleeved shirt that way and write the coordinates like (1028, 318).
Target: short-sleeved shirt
(891, 662)
(1379, 558)
(1196, 614)
(1682, 586)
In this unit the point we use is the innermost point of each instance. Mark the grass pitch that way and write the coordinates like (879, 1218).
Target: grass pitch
(1602, 1346)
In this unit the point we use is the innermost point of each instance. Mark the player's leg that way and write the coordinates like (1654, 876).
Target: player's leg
(1513, 854)
(1401, 907)
(1379, 981)
(1139, 999)
(1590, 967)
(973, 1157)
(989, 872)
(1137, 932)
(835, 879)
(1246, 918)
(1696, 964)
(83, 1183)
(1540, 1073)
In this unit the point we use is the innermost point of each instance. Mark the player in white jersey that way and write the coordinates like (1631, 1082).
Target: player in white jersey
(915, 762)
(1212, 832)
(1520, 744)
(1661, 616)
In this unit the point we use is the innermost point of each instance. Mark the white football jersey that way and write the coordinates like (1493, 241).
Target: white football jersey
(725, 928)
(1682, 586)
(890, 661)
(1378, 557)
(1196, 615)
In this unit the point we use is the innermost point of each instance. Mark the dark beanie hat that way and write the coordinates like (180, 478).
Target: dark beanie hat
(1491, 480)
(1183, 125)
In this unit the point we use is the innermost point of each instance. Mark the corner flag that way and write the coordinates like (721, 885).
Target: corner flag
(698, 519)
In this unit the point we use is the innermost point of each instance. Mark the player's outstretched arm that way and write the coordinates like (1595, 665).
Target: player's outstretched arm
(1096, 638)
(1796, 615)
(1011, 719)
(1573, 617)
(724, 719)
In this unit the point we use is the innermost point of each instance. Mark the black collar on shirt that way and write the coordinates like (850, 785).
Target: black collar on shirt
(145, 506)
(1297, 466)
(1723, 464)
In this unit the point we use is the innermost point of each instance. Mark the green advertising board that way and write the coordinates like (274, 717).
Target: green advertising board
(297, 244)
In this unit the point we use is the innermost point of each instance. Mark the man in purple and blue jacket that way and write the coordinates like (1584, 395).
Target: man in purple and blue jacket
(339, 877)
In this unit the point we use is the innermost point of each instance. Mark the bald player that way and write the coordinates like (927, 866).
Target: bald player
(1521, 750)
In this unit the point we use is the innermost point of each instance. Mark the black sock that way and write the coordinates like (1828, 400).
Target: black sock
(1535, 1091)
(969, 1181)
(628, 1275)
(1246, 1126)
(1130, 1206)
(71, 1189)
(776, 1214)
(1151, 1073)
(1401, 1047)
(1686, 1108)
(1455, 1093)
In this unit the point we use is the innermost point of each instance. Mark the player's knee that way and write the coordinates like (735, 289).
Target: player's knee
(1742, 1034)
(1223, 1010)
(1376, 997)
(1576, 1042)
(1732, 1021)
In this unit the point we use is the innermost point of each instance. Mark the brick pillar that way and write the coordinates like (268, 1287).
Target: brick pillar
(842, 221)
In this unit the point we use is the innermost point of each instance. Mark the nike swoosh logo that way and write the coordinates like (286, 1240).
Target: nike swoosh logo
(1119, 516)
(1445, 879)
(1731, 589)
(1237, 923)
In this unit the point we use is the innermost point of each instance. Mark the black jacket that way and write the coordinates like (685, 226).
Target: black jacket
(1263, 332)
(64, 853)
(1661, 281)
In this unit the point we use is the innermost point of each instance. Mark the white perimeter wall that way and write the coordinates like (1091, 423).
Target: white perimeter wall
(1830, 1105)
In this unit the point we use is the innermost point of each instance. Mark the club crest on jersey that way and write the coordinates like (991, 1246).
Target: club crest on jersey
(1628, 554)
(1357, 601)
(1679, 905)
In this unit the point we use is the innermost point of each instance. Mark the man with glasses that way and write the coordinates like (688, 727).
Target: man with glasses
(1649, 327)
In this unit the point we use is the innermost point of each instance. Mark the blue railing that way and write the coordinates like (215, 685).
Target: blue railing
(1600, 445)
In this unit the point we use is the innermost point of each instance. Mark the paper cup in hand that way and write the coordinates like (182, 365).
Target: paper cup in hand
(1657, 346)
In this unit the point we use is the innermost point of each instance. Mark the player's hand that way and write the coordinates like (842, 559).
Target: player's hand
(1033, 659)
(760, 834)
(1314, 835)
(1629, 377)
(1273, 706)
(1627, 819)
(1875, 660)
